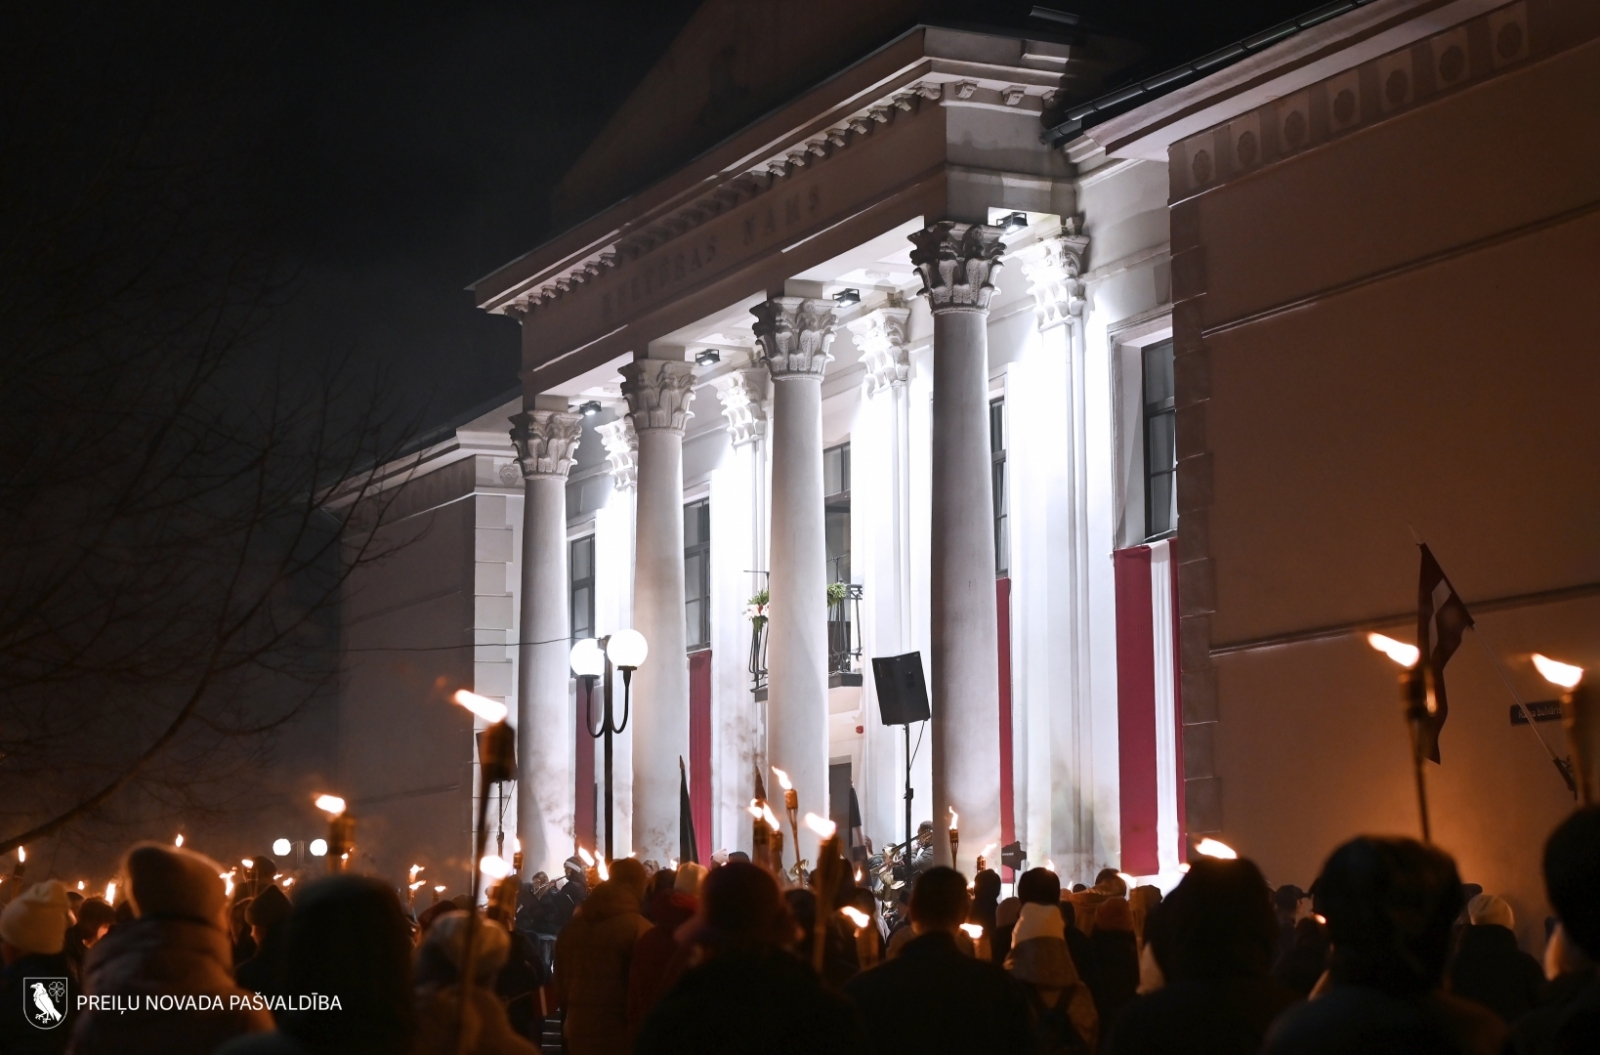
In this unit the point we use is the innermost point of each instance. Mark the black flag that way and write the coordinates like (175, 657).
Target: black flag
(1441, 620)
(686, 841)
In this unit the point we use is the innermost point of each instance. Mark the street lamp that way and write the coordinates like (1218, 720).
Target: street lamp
(625, 650)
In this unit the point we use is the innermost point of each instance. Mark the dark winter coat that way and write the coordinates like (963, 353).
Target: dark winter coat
(162, 957)
(933, 998)
(1298, 969)
(1224, 1017)
(1569, 1026)
(656, 960)
(751, 1002)
(1490, 969)
(1362, 1020)
(262, 972)
(1116, 961)
(593, 957)
(18, 1036)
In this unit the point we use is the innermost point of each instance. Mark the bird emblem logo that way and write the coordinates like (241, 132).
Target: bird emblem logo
(44, 1001)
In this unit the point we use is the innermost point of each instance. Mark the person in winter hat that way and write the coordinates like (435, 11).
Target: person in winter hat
(1116, 957)
(438, 994)
(749, 993)
(94, 919)
(658, 957)
(934, 997)
(1213, 937)
(1062, 1006)
(177, 947)
(1390, 905)
(268, 916)
(594, 955)
(1571, 1021)
(1488, 967)
(33, 931)
(349, 938)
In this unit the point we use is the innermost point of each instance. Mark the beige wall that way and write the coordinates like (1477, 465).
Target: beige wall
(1393, 329)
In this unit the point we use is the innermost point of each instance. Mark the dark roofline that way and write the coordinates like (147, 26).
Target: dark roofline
(1085, 115)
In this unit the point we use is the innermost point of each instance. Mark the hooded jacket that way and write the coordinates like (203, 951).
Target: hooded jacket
(1490, 969)
(158, 956)
(594, 955)
(1060, 999)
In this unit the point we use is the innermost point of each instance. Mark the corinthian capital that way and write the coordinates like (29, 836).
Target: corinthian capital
(546, 442)
(1054, 269)
(957, 263)
(658, 392)
(792, 335)
(622, 451)
(881, 336)
(742, 393)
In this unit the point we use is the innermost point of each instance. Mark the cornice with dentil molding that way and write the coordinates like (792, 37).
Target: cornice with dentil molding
(658, 392)
(546, 442)
(742, 393)
(881, 336)
(622, 451)
(792, 336)
(957, 263)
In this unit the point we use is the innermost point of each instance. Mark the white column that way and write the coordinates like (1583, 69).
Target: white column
(613, 608)
(738, 556)
(880, 547)
(546, 442)
(956, 262)
(794, 334)
(659, 393)
(1047, 460)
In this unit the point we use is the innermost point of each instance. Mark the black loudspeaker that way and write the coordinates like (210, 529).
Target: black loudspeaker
(902, 691)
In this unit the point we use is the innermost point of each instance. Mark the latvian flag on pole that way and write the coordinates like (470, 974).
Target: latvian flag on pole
(1441, 620)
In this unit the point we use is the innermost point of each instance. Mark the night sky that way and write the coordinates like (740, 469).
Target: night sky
(386, 155)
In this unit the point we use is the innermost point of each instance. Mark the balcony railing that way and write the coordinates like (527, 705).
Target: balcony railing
(844, 640)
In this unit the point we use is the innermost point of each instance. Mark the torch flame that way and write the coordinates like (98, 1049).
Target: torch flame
(856, 916)
(111, 893)
(247, 862)
(1216, 848)
(754, 810)
(289, 882)
(22, 854)
(331, 804)
(416, 886)
(414, 870)
(1402, 653)
(1563, 674)
(672, 864)
(602, 870)
(489, 710)
(821, 825)
(586, 857)
(954, 818)
(771, 818)
(972, 930)
(783, 779)
(494, 867)
(80, 884)
(439, 889)
(178, 841)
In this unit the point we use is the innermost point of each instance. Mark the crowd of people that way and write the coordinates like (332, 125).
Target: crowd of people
(1387, 952)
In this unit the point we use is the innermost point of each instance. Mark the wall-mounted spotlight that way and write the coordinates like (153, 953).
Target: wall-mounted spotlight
(590, 409)
(1015, 222)
(707, 357)
(847, 296)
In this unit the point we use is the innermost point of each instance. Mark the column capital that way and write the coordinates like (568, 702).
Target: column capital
(881, 336)
(658, 392)
(546, 442)
(1054, 270)
(622, 451)
(742, 393)
(957, 263)
(792, 337)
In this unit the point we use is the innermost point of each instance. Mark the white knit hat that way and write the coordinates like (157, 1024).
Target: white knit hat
(36, 922)
(1038, 921)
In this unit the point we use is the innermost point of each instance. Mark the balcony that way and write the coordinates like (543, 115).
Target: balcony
(844, 639)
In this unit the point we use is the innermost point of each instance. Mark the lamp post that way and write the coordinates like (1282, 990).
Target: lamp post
(624, 650)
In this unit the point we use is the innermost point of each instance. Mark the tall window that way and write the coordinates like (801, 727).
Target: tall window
(697, 573)
(1160, 442)
(836, 511)
(580, 565)
(997, 455)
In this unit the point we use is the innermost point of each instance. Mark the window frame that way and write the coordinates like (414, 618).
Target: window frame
(999, 481)
(1149, 413)
(575, 582)
(694, 642)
